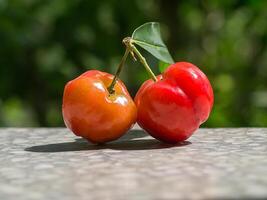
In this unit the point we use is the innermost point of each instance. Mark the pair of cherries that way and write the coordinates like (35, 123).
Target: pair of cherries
(170, 108)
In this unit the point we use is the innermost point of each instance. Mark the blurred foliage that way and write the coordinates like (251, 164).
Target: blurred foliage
(46, 43)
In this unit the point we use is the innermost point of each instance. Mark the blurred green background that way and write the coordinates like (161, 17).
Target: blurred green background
(43, 44)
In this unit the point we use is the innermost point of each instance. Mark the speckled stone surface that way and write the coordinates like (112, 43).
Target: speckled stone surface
(54, 164)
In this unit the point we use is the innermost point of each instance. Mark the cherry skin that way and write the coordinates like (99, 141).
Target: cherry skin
(173, 107)
(91, 112)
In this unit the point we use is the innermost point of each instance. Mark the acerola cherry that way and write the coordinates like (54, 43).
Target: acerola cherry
(91, 112)
(174, 106)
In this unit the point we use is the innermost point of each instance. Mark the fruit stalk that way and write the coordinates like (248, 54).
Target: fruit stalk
(111, 87)
(128, 41)
(144, 63)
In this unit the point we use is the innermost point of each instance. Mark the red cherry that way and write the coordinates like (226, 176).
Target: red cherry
(173, 107)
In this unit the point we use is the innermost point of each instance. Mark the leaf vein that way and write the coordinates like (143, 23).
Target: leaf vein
(151, 45)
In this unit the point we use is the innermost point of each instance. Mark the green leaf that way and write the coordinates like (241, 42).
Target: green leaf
(149, 38)
(163, 66)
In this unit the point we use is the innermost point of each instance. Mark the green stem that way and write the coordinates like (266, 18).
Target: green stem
(112, 85)
(143, 61)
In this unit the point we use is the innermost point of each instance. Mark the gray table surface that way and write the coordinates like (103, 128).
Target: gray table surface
(52, 163)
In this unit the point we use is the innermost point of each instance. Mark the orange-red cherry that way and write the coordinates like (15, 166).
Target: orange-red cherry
(90, 111)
